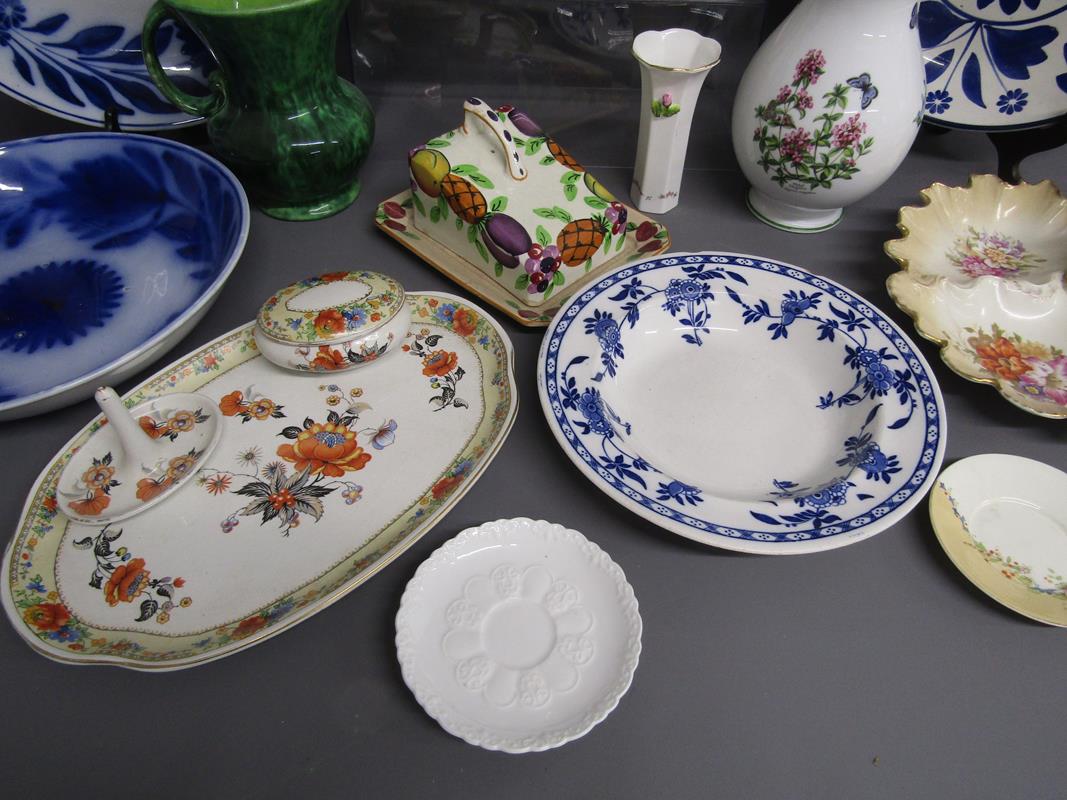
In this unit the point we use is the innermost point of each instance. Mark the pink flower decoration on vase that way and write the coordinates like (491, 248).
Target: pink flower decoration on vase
(849, 133)
(810, 67)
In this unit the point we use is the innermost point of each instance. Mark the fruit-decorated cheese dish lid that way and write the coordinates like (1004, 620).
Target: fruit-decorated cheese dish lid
(332, 308)
(506, 197)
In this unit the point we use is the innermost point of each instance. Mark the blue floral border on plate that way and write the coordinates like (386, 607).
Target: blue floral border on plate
(924, 382)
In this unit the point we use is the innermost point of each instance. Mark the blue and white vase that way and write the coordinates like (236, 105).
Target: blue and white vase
(828, 108)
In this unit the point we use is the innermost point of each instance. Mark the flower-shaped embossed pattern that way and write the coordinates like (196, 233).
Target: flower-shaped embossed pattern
(519, 636)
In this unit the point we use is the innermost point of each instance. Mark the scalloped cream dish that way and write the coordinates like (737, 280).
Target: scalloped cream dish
(982, 274)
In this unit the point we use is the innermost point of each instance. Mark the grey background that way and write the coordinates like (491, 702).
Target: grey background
(875, 670)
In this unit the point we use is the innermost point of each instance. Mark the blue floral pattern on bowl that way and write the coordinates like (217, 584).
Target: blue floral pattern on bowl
(78, 60)
(994, 63)
(110, 245)
(884, 467)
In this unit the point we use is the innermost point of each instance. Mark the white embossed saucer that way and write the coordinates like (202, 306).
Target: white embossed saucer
(1003, 521)
(518, 635)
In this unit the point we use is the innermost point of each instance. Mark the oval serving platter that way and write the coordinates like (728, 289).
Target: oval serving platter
(319, 481)
(77, 60)
(742, 402)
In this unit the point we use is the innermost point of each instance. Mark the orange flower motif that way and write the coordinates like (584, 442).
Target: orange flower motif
(154, 429)
(375, 317)
(51, 504)
(248, 626)
(326, 449)
(182, 421)
(328, 359)
(261, 409)
(90, 506)
(98, 476)
(179, 467)
(439, 363)
(329, 322)
(232, 404)
(218, 484)
(1001, 358)
(47, 616)
(330, 277)
(445, 486)
(148, 489)
(464, 321)
(127, 582)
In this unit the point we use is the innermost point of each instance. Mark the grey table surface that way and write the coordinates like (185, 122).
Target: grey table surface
(875, 670)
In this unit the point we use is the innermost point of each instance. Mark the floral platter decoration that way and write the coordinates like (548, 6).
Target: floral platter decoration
(982, 275)
(836, 436)
(302, 463)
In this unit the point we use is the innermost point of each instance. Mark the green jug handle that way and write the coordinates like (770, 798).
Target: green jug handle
(198, 106)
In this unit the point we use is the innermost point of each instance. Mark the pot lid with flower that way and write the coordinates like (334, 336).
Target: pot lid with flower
(331, 308)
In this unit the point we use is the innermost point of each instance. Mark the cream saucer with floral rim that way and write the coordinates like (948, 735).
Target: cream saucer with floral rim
(1003, 521)
(518, 635)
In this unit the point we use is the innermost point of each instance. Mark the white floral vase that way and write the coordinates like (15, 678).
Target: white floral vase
(674, 64)
(828, 108)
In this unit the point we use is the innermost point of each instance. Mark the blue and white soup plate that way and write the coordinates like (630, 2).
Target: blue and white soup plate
(112, 247)
(743, 403)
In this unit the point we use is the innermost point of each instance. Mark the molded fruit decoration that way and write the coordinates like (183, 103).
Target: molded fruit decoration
(580, 240)
(429, 168)
(597, 188)
(463, 198)
(506, 239)
(828, 108)
(502, 194)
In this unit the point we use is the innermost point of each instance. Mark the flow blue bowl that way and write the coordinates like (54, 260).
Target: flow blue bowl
(112, 247)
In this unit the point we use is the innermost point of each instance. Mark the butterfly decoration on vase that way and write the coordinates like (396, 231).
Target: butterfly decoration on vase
(869, 90)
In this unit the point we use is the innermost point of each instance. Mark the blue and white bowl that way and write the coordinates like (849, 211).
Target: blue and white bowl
(76, 59)
(742, 402)
(112, 246)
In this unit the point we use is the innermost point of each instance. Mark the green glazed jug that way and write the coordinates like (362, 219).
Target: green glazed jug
(293, 131)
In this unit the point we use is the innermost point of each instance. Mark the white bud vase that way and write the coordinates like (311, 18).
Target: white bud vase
(828, 109)
(673, 64)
